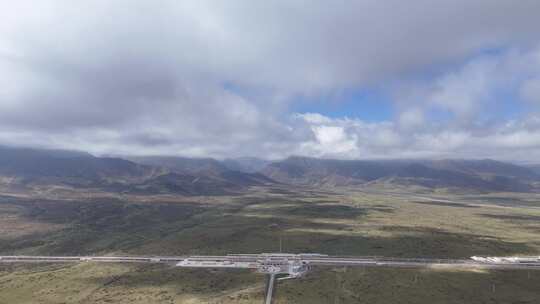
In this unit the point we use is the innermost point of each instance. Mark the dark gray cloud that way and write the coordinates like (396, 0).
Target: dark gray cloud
(215, 78)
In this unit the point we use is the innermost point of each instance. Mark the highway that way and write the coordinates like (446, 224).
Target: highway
(290, 266)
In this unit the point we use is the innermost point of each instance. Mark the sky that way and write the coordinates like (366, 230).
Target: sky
(335, 79)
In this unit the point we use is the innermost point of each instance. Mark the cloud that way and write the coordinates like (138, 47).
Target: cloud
(411, 118)
(530, 90)
(464, 91)
(354, 138)
(475, 89)
(332, 140)
(315, 118)
(207, 78)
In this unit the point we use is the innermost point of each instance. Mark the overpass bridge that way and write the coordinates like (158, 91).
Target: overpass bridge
(281, 266)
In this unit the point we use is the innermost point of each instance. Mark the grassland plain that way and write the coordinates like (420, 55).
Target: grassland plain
(368, 221)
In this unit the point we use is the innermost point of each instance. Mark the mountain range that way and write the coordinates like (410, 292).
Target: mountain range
(151, 175)
(485, 175)
(207, 176)
(534, 168)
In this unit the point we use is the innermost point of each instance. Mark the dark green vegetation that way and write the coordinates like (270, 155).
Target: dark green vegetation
(66, 203)
(342, 223)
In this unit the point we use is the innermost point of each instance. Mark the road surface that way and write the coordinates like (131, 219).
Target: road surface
(270, 285)
(264, 261)
(289, 265)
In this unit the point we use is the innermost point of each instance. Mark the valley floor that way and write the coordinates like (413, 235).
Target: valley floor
(362, 221)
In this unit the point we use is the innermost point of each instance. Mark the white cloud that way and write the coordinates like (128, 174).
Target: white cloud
(330, 141)
(443, 141)
(353, 138)
(463, 92)
(411, 118)
(473, 90)
(530, 90)
(314, 118)
(214, 78)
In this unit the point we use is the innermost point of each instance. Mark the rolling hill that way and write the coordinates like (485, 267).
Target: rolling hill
(181, 164)
(534, 168)
(39, 167)
(207, 176)
(486, 175)
(69, 167)
(246, 164)
(203, 171)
